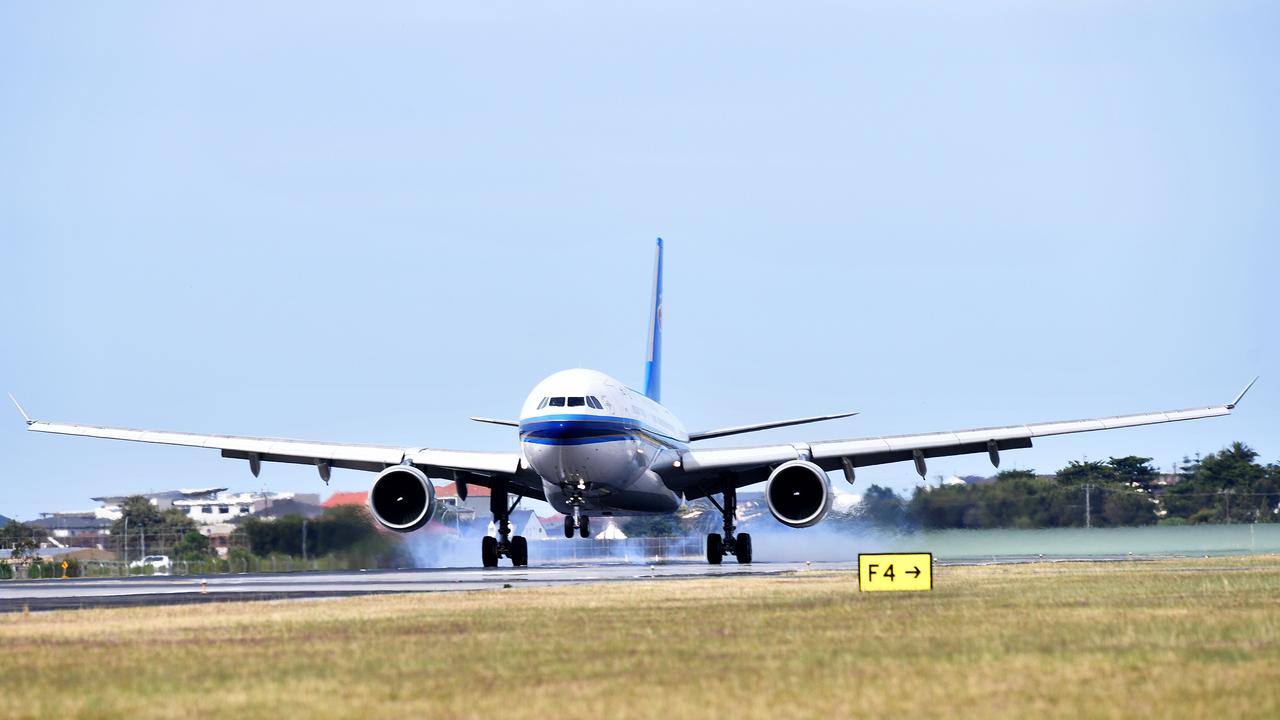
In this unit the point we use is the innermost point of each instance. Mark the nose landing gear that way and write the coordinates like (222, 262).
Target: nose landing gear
(505, 545)
(577, 521)
(739, 544)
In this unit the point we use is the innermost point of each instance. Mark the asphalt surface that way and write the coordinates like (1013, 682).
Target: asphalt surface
(38, 595)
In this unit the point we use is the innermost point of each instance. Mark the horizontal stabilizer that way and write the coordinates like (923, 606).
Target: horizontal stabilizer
(492, 421)
(738, 430)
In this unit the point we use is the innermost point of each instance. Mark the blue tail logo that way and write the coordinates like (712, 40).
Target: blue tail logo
(653, 364)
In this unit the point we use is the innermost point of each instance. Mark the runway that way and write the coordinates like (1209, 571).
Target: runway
(162, 590)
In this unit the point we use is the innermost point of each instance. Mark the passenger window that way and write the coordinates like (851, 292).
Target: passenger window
(557, 402)
(577, 402)
(543, 403)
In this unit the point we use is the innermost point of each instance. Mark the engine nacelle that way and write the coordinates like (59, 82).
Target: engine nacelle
(798, 493)
(402, 498)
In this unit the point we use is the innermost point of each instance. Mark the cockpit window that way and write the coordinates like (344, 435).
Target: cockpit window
(577, 402)
(594, 402)
(557, 402)
(543, 403)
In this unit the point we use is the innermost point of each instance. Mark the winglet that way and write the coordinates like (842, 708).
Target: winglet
(1231, 405)
(25, 416)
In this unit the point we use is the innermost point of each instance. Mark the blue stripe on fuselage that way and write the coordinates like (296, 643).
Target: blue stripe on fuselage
(582, 429)
(575, 440)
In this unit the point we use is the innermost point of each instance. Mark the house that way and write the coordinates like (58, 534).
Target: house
(163, 500)
(75, 529)
(287, 506)
(216, 508)
(477, 501)
(523, 522)
(611, 531)
(340, 499)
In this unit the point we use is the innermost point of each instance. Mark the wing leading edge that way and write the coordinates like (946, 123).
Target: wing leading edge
(477, 468)
(750, 464)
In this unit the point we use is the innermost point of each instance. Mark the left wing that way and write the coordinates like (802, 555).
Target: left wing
(704, 470)
(476, 468)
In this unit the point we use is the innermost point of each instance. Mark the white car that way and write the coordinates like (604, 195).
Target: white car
(160, 563)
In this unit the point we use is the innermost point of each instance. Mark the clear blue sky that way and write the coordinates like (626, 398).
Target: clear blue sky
(365, 223)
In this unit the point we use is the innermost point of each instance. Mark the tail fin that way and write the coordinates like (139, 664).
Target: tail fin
(653, 363)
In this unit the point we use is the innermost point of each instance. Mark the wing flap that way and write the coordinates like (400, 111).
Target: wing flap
(830, 455)
(371, 458)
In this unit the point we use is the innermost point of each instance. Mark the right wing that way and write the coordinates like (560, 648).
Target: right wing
(472, 467)
(704, 471)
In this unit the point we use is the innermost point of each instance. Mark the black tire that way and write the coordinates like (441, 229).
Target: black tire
(568, 526)
(715, 548)
(743, 549)
(519, 551)
(584, 528)
(489, 551)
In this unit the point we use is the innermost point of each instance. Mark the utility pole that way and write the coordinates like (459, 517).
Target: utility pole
(1088, 508)
(125, 550)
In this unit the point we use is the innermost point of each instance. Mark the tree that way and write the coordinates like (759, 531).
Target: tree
(1079, 473)
(160, 530)
(343, 531)
(193, 546)
(1125, 508)
(652, 526)
(21, 538)
(882, 507)
(1133, 471)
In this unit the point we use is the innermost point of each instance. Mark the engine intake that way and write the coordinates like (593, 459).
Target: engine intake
(798, 493)
(402, 498)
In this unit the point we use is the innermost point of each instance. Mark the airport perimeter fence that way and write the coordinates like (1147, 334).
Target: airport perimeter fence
(639, 549)
(45, 569)
(450, 552)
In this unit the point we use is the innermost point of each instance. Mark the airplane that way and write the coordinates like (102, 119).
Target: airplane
(592, 447)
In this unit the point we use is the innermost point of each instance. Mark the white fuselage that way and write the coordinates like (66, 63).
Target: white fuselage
(599, 445)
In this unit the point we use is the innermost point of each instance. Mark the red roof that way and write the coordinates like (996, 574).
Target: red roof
(346, 498)
(448, 490)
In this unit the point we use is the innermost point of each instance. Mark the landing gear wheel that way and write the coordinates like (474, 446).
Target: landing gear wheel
(519, 551)
(489, 551)
(743, 549)
(568, 526)
(584, 527)
(715, 548)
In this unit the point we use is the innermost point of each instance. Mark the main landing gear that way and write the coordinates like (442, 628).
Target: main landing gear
(738, 545)
(577, 521)
(505, 545)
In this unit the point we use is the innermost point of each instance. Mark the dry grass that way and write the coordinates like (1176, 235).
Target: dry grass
(1178, 639)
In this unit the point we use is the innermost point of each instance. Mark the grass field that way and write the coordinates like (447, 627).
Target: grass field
(1187, 638)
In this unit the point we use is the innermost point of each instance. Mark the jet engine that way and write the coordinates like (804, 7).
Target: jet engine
(798, 493)
(402, 498)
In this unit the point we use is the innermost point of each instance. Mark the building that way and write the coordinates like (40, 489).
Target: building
(163, 500)
(523, 522)
(340, 499)
(476, 504)
(75, 529)
(215, 508)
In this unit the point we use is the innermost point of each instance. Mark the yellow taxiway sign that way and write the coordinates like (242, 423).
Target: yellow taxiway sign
(895, 571)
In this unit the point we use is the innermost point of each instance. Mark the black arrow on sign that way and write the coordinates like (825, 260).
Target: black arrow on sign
(914, 572)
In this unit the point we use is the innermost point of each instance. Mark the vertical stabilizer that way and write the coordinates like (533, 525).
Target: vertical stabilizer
(653, 362)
